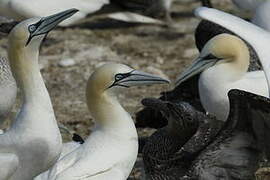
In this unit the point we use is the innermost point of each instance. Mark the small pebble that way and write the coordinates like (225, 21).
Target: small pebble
(67, 62)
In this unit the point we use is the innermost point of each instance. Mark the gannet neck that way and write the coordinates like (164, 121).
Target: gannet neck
(36, 100)
(25, 69)
(108, 113)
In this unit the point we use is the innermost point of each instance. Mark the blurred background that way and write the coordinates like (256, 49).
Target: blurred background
(70, 55)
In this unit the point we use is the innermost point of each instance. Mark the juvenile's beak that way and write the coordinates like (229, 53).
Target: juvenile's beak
(199, 65)
(46, 24)
(137, 78)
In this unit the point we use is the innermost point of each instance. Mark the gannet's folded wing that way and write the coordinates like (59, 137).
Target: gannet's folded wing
(250, 112)
(67, 148)
(257, 37)
(64, 163)
(9, 164)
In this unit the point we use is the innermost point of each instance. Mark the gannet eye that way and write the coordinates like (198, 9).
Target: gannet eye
(32, 28)
(118, 77)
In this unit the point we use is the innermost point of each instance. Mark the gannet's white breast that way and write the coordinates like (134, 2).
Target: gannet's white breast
(103, 155)
(214, 88)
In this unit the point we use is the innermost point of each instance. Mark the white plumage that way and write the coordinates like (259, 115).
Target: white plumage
(111, 149)
(33, 142)
(223, 64)
(257, 37)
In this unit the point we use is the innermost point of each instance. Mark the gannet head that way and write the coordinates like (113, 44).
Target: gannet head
(221, 49)
(31, 32)
(111, 77)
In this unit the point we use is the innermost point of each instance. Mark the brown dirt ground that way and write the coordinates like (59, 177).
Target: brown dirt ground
(149, 48)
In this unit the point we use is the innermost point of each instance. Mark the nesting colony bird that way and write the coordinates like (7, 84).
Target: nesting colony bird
(33, 143)
(186, 129)
(217, 150)
(223, 64)
(21, 10)
(8, 89)
(111, 150)
(188, 91)
(257, 37)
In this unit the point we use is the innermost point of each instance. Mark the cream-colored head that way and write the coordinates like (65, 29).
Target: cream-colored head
(25, 39)
(226, 51)
(108, 79)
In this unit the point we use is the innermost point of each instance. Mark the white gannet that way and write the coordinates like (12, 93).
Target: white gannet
(8, 89)
(257, 37)
(111, 150)
(21, 10)
(223, 64)
(33, 143)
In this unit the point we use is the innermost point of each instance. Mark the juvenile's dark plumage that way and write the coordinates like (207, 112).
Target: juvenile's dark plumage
(232, 149)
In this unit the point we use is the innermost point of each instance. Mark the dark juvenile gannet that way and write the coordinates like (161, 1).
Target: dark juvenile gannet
(223, 64)
(218, 150)
(33, 143)
(111, 149)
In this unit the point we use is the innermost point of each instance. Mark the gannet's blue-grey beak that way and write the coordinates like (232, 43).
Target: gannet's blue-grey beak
(199, 65)
(137, 78)
(46, 24)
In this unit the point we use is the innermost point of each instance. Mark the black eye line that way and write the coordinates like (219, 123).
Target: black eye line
(210, 56)
(125, 75)
(31, 32)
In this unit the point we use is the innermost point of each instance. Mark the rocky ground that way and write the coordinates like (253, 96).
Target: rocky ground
(70, 55)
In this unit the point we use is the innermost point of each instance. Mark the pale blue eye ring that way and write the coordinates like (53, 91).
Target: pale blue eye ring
(118, 77)
(32, 28)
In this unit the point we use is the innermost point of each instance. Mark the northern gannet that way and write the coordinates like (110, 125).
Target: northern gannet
(223, 64)
(33, 143)
(111, 149)
(227, 150)
(21, 10)
(188, 91)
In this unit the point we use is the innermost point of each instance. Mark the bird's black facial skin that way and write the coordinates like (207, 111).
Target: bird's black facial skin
(32, 28)
(118, 77)
(210, 56)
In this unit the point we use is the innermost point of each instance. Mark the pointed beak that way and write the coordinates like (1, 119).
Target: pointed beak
(50, 22)
(199, 65)
(137, 78)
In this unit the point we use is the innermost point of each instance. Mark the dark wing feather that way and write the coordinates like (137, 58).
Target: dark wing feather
(251, 112)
